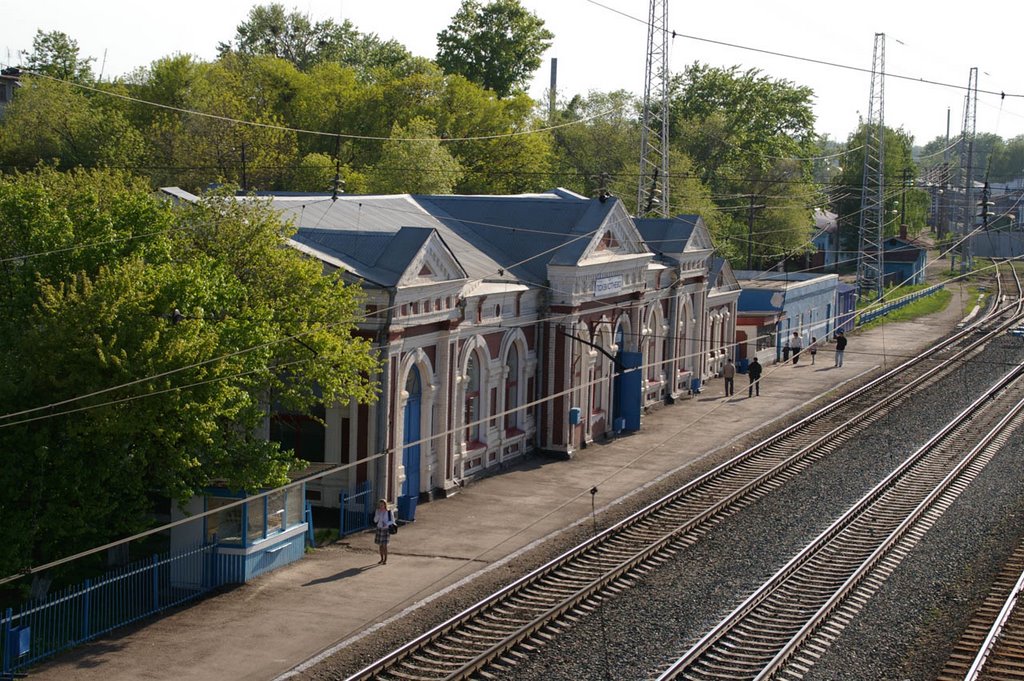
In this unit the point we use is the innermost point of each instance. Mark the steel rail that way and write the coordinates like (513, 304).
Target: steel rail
(813, 584)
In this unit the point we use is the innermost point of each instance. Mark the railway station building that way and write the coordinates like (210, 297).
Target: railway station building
(505, 324)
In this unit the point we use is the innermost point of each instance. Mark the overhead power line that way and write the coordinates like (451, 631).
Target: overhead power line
(811, 60)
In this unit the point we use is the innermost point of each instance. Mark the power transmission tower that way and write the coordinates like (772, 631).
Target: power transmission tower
(652, 197)
(870, 254)
(965, 176)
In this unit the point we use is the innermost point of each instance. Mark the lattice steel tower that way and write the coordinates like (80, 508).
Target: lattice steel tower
(652, 197)
(870, 254)
(965, 174)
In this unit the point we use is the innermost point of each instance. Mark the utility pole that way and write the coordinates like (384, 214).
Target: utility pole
(750, 235)
(967, 171)
(985, 205)
(654, 128)
(870, 254)
(903, 202)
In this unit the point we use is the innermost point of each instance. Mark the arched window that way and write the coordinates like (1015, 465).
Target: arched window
(512, 389)
(412, 383)
(472, 399)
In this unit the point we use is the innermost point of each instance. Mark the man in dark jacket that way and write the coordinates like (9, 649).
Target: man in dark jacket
(754, 373)
(840, 347)
(729, 374)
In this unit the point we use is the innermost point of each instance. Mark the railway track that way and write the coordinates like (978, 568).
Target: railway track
(496, 632)
(781, 629)
(979, 653)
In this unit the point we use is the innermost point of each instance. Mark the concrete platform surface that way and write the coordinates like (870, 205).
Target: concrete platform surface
(265, 628)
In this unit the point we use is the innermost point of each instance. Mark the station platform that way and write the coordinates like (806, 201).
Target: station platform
(267, 628)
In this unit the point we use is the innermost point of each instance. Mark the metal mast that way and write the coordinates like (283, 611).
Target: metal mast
(965, 175)
(652, 197)
(870, 255)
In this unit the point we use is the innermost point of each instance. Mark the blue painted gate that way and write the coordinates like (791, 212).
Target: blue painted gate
(628, 389)
(411, 452)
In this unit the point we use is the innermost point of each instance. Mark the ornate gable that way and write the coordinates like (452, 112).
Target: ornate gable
(433, 263)
(617, 236)
(700, 239)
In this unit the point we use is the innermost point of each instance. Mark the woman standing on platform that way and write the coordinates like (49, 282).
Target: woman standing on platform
(383, 519)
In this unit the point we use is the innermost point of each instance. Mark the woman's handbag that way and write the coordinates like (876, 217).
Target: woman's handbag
(392, 528)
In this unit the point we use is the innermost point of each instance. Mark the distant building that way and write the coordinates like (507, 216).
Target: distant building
(905, 260)
(10, 80)
(824, 236)
(826, 241)
(772, 305)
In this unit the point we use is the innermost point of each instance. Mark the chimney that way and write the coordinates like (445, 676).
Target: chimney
(903, 230)
(553, 91)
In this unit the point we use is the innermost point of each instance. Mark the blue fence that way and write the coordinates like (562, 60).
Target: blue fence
(865, 317)
(44, 627)
(356, 510)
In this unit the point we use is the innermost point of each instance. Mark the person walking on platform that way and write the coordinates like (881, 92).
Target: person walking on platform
(795, 346)
(813, 349)
(754, 374)
(785, 351)
(729, 374)
(383, 519)
(840, 347)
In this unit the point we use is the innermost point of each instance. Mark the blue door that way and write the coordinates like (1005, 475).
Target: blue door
(411, 452)
(628, 388)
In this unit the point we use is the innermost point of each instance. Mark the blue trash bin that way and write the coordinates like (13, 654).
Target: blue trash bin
(407, 507)
(695, 386)
(741, 366)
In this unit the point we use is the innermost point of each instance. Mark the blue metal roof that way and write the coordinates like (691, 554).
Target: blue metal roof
(523, 233)
(494, 238)
(354, 219)
(667, 235)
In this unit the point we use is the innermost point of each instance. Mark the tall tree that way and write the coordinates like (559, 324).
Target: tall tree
(899, 174)
(497, 45)
(731, 121)
(751, 139)
(152, 401)
(414, 162)
(55, 122)
(602, 152)
(296, 37)
(56, 54)
(1008, 162)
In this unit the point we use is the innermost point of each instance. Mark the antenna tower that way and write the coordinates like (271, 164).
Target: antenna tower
(652, 197)
(870, 255)
(965, 176)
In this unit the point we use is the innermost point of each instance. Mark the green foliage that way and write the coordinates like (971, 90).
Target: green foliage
(900, 171)
(292, 36)
(1008, 160)
(54, 122)
(414, 162)
(749, 138)
(272, 31)
(55, 54)
(602, 152)
(93, 268)
(733, 122)
(497, 45)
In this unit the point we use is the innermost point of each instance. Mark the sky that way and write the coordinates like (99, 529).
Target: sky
(601, 45)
